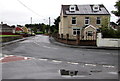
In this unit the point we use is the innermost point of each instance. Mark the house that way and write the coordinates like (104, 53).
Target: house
(18, 30)
(83, 20)
(114, 26)
(25, 29)
(6, 29)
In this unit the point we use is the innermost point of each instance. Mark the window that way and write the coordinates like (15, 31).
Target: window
(98, 21)
(90, 33)
(87, 20)
(76, 31)
(96, 8)
(73, 20)
(72, 8)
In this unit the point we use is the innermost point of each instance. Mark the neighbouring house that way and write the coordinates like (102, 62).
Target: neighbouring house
(83, 20)
(18, 30)
(6, 29)
(114, 26)
(25, 29)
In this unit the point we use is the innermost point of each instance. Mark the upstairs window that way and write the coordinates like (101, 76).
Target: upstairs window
(87, 21)
(98, 20)
(96, 8)
(73, 20)
(72, 8)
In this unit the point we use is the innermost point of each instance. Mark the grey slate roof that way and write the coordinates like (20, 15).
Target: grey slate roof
(85, 10)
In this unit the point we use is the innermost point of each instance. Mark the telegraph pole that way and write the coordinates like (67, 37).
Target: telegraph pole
(49, 21)
(31, 20)
(49, 25)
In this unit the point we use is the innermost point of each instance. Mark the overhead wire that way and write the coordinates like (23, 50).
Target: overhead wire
(28, 8)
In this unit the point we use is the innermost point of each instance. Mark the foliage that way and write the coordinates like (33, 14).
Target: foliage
(38, 27)
(54, 28)
(9, 35)
(57, 20)
(110, 33)
(117, 12)
(41, 27)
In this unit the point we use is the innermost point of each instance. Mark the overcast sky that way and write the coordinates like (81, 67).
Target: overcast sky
(15, 12)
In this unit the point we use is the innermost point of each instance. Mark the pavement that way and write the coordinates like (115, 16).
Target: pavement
(11, 42)
(52, 40)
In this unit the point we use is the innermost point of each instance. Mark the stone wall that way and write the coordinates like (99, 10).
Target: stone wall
(107, 42)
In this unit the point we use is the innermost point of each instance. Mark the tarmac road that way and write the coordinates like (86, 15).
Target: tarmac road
(47, 59)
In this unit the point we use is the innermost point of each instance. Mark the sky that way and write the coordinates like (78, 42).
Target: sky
(19, 12)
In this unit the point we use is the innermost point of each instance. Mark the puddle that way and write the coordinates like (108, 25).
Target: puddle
(64, 72)
(73, 73)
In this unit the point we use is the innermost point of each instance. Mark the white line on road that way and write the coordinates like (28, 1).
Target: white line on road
(108, 66)
(90, 64)
(73, 63)
(43, 59)
(115, 73)
(56, 61)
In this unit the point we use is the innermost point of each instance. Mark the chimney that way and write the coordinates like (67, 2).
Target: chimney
(1, 23)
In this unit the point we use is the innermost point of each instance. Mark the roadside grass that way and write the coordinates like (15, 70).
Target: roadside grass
(9, 35)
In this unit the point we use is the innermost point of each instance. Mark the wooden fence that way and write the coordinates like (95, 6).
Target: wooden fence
(76, 40)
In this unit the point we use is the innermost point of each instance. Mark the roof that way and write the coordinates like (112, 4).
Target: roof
(18, 29)
(5, 26)
(85, 10)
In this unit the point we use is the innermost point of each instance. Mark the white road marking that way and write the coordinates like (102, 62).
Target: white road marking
(108, 66)
(1, 58)
(11, 55)
(56, 61)
(73, 63)
(115, 73)
(25, 58)
(43, 59)
(90, 64)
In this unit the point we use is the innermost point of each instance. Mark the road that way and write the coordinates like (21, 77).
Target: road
(47, 59)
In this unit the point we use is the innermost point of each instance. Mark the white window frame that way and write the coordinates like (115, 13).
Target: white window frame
(75, 21)
(96, 8)
(76, 30)
(89, 32)
(87, 20)
(72, 8)
(98, 18)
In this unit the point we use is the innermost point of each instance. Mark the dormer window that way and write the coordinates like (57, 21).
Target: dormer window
(72, 8)
(96, 8)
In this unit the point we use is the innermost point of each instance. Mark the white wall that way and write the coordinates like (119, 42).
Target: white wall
(107, 42)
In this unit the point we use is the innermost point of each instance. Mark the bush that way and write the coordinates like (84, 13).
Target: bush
(39, 32)
(110, 33)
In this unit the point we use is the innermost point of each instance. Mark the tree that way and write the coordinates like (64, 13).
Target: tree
(57, 20)
(117, 12)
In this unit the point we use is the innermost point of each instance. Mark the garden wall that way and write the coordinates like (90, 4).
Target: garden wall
(107, 42)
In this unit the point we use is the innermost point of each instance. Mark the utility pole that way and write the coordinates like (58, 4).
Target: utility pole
(49, 25)
(31, 20)
(49, 21)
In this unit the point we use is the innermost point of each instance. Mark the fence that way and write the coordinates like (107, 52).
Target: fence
(75, 40)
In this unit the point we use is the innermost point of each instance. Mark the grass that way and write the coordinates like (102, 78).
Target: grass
(9, 35)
